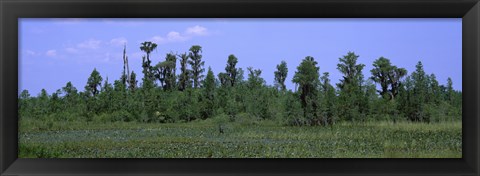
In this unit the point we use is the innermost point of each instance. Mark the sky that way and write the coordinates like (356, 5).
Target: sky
(53, 52)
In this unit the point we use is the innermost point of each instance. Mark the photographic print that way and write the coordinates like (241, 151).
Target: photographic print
(240, 88)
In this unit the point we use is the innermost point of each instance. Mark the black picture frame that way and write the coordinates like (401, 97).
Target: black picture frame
(11, 10)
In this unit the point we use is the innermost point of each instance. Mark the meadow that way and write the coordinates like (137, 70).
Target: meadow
(240, 139)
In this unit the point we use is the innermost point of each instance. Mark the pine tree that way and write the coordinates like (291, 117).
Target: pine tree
(196, 64)
(93, 83)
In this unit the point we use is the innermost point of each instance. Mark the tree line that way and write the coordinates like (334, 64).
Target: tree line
(165, 96)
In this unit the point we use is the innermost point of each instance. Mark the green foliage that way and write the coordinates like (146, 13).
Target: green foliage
(281, 75)
(184, 77)
(196, 64)
(209, 95)
(307, 78)
(188, 97)
(293, 111)
(147, 47)
(132, 84)
(188, 116)
(351, 101)
(231, 70)
(94, 81)
(417, 97)
(387, 75)
(328, 100)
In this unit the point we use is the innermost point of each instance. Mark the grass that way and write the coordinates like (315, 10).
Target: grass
(264, 139)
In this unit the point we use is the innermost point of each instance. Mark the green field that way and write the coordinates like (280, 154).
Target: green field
(264, 139)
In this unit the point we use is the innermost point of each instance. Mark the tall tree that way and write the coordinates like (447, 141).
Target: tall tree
(231, 70)
(387, 75)
(93, 83)
(351, 95)
(256, 95)
(394, 78)
(126, 71)
(209, 94)
(147, 47)
(165, 72)
(196, 64)
(328, 102)
(418, 98)
(352, 72)
(184, 77)
(307, 77)
(281, 75)
(171, 77)
(382, 68)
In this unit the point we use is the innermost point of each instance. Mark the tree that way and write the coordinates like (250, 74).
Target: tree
(351, 70)
(70, 95)
(197, 64)
(147, 47)
(165, 72)
(387, 75)
(147, 80)
(418, 96)
(43, 107)
(24, 107)
(126, 69)
(231, 70)
(281, 75)
(55, 101)
(307, 77)
(209, 84)
(380, 73)
(256, 97)
(132, 83)
(170, 76)
(254, 79)
(24, 95)
(351, 97)
(434, 92)
(69, 90)
(239, 78)
(209, 93)
(223, 77)
(106, 96)
(450, 91)
(184, 77)
(329, 97)
(394, 79)
(93, 83)
(118, 96)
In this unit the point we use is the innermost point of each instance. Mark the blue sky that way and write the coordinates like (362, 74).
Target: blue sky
(55, 51)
